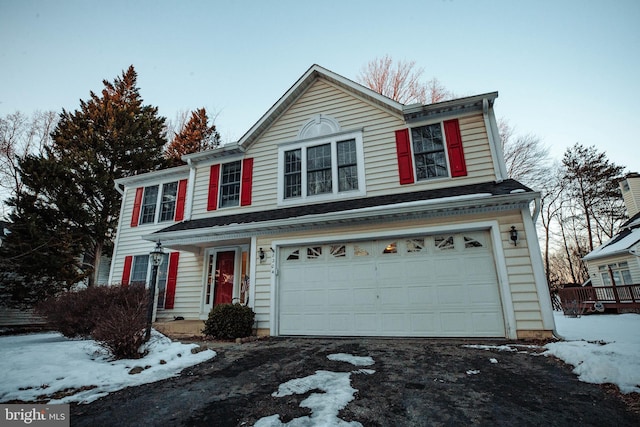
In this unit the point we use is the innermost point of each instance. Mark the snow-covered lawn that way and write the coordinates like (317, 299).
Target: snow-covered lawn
(603, 349)
(47, 366)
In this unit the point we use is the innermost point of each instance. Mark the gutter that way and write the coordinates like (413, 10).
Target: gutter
(118, 188)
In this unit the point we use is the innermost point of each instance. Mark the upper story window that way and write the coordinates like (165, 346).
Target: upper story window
(168, 201)
(230, 184)
(149, 201)
(325, 167)
(159, 202)
(429, 152)
(165, 204)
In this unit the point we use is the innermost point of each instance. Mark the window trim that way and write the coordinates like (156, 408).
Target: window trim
(445, 146)
(222, 185)
(303, 145)
(158, 206)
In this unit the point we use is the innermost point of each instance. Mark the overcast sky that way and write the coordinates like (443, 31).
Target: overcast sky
(566, 71)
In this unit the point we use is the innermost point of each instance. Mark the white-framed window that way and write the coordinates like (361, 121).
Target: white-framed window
(139, 269)
(159, 203)
(321, 168)
(619, 271)
(231, 174)
(429, 152)
(141, 274)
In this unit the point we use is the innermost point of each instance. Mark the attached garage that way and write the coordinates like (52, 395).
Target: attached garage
(442, 285)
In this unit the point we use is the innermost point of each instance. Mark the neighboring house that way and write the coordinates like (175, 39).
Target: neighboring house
(342, 212)
(620, 256)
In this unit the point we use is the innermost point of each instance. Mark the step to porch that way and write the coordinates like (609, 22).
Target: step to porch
(180, 328)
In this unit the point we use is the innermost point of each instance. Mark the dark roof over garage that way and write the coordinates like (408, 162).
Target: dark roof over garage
(502, 188)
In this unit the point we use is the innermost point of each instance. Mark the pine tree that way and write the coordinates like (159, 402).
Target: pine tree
(196, 135)
(590, 181)
(112, 135)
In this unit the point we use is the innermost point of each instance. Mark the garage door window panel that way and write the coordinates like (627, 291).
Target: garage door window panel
(444, 243)
(415, 245)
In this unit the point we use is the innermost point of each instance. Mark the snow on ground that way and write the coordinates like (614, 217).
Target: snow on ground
(336, 393)
(35, 366)
(603, 348)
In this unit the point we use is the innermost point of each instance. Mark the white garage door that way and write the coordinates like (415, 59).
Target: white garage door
(424, 286)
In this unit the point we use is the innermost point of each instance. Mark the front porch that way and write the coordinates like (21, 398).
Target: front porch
(617, 299)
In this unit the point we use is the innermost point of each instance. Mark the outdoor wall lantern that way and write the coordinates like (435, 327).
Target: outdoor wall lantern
(514, 235)
(261, 254)
(155, 257)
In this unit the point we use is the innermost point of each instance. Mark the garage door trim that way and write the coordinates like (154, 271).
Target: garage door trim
(497, 253)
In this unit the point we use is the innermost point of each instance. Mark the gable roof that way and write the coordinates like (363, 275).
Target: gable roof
(299, 87)
(460, 197)
(619, 244)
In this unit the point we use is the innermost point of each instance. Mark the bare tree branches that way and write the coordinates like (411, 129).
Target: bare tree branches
(21, 135)
(526, 157)
(401, 81)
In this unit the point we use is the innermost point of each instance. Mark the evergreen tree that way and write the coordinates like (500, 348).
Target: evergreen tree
(196, 135)
(591, 182)
(112, 135)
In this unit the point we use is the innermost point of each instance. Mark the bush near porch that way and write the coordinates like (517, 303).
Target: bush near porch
(229, 321)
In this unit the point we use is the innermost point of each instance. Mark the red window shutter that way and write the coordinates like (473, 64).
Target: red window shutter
(136, 207)
(172, 278)
(405, 163)
(126, 271)
(180, 199)
(247, 180)
(454, 148)
(214, 178)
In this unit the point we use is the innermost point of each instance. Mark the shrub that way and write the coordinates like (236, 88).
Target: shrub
(75, 313)
(114, 316)
(121, 327)
(229, 321)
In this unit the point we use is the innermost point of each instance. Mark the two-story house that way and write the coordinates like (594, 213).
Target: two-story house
(342, 212)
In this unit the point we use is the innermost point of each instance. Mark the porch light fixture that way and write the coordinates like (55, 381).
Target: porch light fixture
(261, 254)
(513, 234)
(155, 257)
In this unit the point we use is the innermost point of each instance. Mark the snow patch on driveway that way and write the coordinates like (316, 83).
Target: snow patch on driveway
(336, 393)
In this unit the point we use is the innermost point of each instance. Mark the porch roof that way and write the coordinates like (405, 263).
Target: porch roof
(460, 197)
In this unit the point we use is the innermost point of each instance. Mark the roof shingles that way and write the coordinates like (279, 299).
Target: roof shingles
(502, 188)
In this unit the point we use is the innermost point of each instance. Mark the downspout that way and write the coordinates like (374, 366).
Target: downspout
(495, 153)
(118, 231)
(190, 189)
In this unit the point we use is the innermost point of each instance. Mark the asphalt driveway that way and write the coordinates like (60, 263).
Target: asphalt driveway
(417, 382)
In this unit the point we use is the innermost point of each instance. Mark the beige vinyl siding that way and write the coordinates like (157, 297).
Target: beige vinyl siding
(524, 294)
(189, 286)
(519, 268)
(477, 152)
(353, 113)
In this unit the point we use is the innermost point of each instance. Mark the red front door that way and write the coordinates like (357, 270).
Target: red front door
(225, 262)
